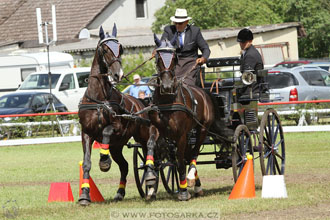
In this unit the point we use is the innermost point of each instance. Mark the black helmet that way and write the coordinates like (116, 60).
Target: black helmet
(244, 35)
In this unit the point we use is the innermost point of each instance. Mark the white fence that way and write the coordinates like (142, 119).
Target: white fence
(78, 138)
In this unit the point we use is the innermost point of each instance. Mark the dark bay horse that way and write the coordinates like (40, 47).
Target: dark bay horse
(100, 111)
(179, 109)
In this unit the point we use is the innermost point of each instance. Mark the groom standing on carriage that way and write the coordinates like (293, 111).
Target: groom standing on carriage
(189, 40)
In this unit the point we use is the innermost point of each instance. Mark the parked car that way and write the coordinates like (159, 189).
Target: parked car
(299, 83)
(290, 64)
(69, 85)
(322, 64)
(28, 102)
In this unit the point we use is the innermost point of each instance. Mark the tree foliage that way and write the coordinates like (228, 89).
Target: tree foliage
(315, 16)
(210, 14)
(130, 62)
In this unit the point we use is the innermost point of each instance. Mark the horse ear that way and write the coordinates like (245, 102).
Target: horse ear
(114, 30)
(101, 33)
(157, 41)
(173, 41)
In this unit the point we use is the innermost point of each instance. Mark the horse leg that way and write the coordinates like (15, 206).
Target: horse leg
(117, 156)
(84, 198)
(193, 179)
(151, 175)
(105, 160)
(183, 195)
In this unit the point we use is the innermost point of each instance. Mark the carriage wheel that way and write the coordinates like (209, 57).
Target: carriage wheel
(170, 178)
(140, 171)
(241, 146)
(271, 143)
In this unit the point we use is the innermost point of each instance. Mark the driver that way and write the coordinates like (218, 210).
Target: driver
(190, 39)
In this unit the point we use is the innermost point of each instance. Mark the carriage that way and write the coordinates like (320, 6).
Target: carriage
(226, 118)
(242, 133)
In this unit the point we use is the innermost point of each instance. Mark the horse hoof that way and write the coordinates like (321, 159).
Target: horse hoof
(151, 194)
(84, 199)
(84, 202)
(191, 182)
(118, 197)
(184, 195)
(105, 165)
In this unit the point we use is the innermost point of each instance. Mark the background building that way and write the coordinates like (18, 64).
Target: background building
(78, 23)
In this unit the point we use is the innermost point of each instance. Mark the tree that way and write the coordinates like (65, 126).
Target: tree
(208, 14)
(315, 16)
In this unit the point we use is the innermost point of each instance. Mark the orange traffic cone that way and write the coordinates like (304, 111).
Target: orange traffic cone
(244, 187)
(96, 145)
(60, 192)
(94, 192)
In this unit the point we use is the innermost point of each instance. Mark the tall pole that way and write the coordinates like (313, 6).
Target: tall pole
(50, 99)
(47, 46)
(45, 24)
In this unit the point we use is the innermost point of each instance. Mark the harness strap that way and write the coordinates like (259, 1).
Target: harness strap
(216, 83)
(192, 97)
(201, 77)
(175, 107)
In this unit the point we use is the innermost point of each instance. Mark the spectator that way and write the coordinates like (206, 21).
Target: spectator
(134, 89)
(142, 94)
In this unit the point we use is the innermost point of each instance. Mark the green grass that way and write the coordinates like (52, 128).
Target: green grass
(26, 173)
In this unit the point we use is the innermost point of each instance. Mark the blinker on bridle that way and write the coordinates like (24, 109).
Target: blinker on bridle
(166, 54)
(116, 51)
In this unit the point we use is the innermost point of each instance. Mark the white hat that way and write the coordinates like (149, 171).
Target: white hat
(180, 16)
(136, 76)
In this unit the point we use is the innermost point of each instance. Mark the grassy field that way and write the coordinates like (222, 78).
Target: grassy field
(26, 173)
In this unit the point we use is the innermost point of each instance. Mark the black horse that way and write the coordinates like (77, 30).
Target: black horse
(100, 115)
(179, 109)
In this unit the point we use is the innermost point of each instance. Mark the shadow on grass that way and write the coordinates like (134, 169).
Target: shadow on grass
(164, 196)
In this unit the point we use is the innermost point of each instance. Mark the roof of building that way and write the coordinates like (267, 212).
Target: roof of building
(71, 17)
(74, 15)
(144, 38)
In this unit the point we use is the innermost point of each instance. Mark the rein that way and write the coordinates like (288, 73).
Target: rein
(138, 67)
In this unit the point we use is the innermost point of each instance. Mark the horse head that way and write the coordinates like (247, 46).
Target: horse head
(109, 52)
(166, 61)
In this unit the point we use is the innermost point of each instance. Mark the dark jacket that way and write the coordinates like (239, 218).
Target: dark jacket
(251, 60)
(192, 42)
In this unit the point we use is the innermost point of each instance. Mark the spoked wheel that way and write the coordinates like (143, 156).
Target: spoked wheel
(170, 177)
(241, 146)
(271, 141)
(140, 171)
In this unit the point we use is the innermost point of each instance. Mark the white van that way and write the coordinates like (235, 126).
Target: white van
(68, 85)
(15, 68)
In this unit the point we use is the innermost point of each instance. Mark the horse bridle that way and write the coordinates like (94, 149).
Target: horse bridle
(167, 69)
(114, 58)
